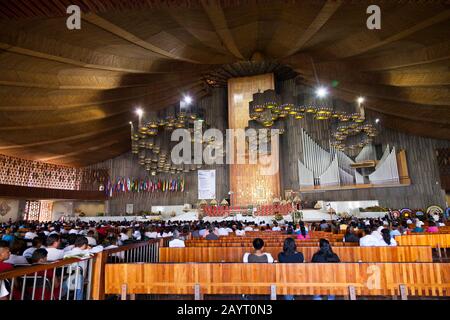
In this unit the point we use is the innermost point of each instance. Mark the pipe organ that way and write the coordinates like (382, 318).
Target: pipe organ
(321, 168)
(315, 157)
(386, 171)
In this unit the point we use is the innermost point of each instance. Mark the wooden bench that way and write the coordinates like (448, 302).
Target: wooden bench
(300, 243)
(346, 254)
(368, 279)
(432, 240)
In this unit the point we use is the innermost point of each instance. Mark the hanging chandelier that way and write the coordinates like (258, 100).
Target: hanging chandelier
(151, 140)
(268, 108)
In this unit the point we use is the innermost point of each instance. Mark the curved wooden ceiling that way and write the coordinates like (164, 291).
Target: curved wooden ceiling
(67, 96)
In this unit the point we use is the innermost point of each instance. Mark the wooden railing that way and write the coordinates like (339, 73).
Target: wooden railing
(346, 254)
(147, 251)
(368, 279)
(59, 280)
(68, 279)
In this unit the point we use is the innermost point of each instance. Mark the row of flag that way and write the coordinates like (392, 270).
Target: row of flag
(144, 185)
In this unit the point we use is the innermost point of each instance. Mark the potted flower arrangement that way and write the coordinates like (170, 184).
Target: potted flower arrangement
(278, 217)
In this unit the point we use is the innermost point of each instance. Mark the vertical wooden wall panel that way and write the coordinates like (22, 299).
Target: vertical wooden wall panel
(246, 181)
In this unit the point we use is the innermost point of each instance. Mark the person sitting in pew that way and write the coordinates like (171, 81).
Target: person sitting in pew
(432, 227)
(211, 234)
(387, 239)
(325, 255)
(35, 244)
(43, 289)
(303, 235)
(369, 239)
(418, 228)
(350, 236)
(395, 232)
(112, 243)
(177, 242)
(239, 232)
(290, 253)
(258, 256)
(17, 248)
(151, 233)
(4, 255)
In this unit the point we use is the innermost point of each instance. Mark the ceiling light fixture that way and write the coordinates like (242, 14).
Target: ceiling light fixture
(139, 112)
(321, 92)
(188, 99)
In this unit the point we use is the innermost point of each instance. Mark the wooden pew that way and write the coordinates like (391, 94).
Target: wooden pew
(279, 238)
(300, 243)
(368, 279)
(346, 254)
(432, 240)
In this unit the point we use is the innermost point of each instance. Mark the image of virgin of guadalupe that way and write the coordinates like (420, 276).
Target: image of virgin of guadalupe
(4, 208)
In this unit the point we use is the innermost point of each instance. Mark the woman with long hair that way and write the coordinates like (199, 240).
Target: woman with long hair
(325, 255)
(290, 253)
(303, 235)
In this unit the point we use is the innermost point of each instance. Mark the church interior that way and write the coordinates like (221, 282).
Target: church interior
(156, 149)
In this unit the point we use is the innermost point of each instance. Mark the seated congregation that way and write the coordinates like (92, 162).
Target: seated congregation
(59, 261)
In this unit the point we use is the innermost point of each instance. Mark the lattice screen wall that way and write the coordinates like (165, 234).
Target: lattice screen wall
(38, 210)
(32, 210)
(19, 172)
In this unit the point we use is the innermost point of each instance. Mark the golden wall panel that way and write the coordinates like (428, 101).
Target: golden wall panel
(249, 186)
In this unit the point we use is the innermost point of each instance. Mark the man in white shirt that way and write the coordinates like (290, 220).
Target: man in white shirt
(276, 227)
(113, 245)
(31, 234)
(377, 233)
(16, 260)
(81, 249)
(176, 243)
(91, 240)
(36, 244)
(137, 234)
(202, 231)
(222, 231)
(369, 240)
(394, 232)
(15, 257)
(73, 231)
(419, 223)
(53, 251)
(151, 234)
(123, 236)
(248, 228)
(239, 232)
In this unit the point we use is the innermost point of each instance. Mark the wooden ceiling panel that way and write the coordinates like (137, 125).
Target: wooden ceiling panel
(67, 96)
